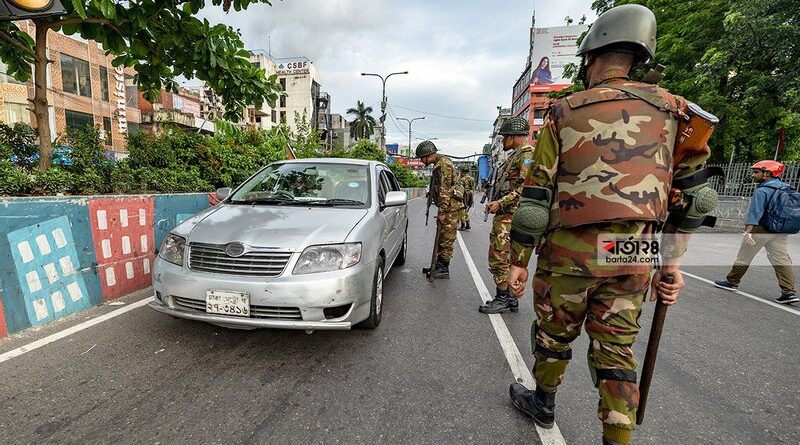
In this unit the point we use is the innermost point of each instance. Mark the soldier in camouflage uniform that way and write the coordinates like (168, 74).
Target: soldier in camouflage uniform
(503, 204)
(605, 163)
(469, 195)
(448, 196)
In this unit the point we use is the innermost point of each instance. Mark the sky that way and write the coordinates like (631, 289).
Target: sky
(463, 57)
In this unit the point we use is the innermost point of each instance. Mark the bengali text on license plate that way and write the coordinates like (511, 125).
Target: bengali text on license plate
(228, 303)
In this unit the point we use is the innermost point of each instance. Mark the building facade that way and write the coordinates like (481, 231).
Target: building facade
(551, 50)
(300, 80)
(83, 89)
(182, 110)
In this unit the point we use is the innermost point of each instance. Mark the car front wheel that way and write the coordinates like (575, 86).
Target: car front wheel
(376, 302)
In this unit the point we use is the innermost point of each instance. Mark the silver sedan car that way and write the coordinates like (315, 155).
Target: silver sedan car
(302, 244)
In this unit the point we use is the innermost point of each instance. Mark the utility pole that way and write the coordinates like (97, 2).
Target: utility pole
(383, 104)
(409, 130)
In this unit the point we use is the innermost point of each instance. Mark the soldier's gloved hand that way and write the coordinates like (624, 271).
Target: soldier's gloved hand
(517, 279)
(440, 218)
(667, 293)
(493, 207)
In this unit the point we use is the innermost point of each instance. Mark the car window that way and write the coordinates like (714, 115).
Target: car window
(393, 181)
(289, 183)
(383, 185)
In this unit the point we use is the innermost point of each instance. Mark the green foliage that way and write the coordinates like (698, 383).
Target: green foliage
(87, 151)
(406, 177)
(14, 180)
(363, 124)
(739, 60)
(366, 149)
(19, 142)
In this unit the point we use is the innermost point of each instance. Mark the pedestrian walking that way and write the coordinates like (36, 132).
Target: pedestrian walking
(507, 192)
(469, 195)
(757, 233)
(447, 194)
(603, 164)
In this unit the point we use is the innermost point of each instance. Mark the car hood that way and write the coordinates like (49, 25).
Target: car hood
(284, 227)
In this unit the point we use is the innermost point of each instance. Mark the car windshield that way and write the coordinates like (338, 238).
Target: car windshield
(304, 183)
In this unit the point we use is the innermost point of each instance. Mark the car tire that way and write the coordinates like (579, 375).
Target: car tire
(376, 302)
(401, 257)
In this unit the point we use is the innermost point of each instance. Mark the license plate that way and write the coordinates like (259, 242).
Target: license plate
(228, 303)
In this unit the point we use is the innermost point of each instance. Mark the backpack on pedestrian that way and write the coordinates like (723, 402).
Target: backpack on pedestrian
(782, 214)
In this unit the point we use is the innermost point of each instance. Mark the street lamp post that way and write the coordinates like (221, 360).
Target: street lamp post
(409, 130)
(383, 103)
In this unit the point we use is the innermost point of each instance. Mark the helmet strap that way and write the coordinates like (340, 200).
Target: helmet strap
(583, 74)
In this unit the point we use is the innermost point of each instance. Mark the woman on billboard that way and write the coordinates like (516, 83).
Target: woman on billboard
(542, 74)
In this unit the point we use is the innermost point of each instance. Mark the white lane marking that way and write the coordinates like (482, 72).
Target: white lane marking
(69, 331)
(518, 367)
(752, 297)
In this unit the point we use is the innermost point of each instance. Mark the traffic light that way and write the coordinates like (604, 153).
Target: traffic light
(29, 9)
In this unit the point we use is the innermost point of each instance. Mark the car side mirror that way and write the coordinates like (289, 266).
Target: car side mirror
(224, 192)
(395, 199)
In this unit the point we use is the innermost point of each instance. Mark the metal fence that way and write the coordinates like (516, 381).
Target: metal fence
(737, 180)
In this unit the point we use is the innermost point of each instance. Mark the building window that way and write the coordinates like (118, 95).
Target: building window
(283, 101)
(78, 121)
(104, 83)
(274, 117)
(133, 128)
(256, 64)
(283, 117)
(17, 113)
(131, 93)
(75, 76)
(5, 78)
(107, 129)
(283, 84)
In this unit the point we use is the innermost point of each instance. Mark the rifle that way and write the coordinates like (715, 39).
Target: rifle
(489, 193)
(652, 351)
(435, 253)
(430, 199)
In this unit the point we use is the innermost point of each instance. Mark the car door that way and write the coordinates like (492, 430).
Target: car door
(398, 227)
(389, 214)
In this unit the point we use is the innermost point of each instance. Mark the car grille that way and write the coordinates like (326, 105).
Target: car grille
(212, 258)
(287, 313)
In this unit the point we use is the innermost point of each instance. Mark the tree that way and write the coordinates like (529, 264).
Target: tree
(738, 59)
(160, 39)
(363, 123)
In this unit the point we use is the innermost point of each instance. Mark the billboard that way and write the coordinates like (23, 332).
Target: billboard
(293, 66)
(554, 48)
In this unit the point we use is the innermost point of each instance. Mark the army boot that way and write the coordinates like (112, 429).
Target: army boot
(610, 442)
(466, 226)
(538, 404)
(442, 271)
(503, 303)
(427, 270)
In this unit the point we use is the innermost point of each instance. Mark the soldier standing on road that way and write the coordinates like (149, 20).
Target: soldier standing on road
(469, 195)
(604, 164)
(507, 192)
(448, 196)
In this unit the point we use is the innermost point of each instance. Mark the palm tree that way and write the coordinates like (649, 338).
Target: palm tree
(363, 123)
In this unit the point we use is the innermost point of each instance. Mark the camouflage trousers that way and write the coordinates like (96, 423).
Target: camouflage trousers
(609, 307)
(500, 249)
(448, 236)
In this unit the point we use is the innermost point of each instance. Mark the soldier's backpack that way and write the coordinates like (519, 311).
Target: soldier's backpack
(782, 214)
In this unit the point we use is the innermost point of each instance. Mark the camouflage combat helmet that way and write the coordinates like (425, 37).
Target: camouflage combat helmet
(516, 126)
(425, 148)
(627, 24)
(464, 167)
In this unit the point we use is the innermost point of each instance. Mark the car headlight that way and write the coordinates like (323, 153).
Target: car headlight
(172, 249)
(327, 258)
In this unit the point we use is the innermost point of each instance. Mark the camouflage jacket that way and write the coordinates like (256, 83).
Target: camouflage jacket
(469, 183)
(615, 137)
(511, 177)
(443, 181)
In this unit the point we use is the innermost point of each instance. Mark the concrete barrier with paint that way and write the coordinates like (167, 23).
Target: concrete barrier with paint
(60, 255)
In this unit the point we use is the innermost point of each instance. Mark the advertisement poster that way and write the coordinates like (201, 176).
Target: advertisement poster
(554, 48)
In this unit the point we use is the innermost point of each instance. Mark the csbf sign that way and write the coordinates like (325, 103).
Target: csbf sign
(29, 9)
